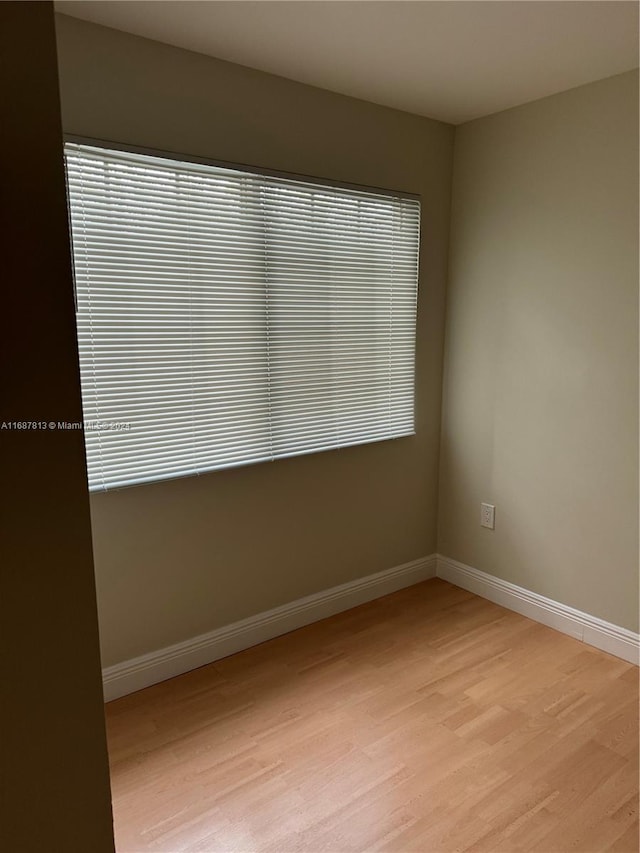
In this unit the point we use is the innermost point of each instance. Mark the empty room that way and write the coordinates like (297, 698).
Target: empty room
(321, 426)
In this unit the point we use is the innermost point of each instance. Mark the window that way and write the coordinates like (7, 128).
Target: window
(227, 317)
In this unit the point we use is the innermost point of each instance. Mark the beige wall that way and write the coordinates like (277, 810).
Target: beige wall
(55, 786)
(178, 558)
(541, 375)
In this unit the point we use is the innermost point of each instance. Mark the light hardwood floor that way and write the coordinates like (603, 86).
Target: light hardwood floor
(429, 720)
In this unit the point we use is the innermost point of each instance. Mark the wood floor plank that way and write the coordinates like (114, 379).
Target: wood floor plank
(430, 720)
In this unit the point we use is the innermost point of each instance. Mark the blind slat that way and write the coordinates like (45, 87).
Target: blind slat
(227, 317)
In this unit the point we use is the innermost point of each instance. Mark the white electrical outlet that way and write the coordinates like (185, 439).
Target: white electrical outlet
(488, 516)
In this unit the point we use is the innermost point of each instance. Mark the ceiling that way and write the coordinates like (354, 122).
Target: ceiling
(452, 61)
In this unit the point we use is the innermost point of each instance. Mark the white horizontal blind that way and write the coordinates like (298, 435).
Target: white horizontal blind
(226, 317)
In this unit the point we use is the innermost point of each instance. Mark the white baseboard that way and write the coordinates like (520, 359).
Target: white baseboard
(591, 630)
(143, 671)
(134, 674)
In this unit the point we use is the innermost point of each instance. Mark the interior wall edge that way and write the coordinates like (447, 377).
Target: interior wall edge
(582, 626)
(145, 670)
